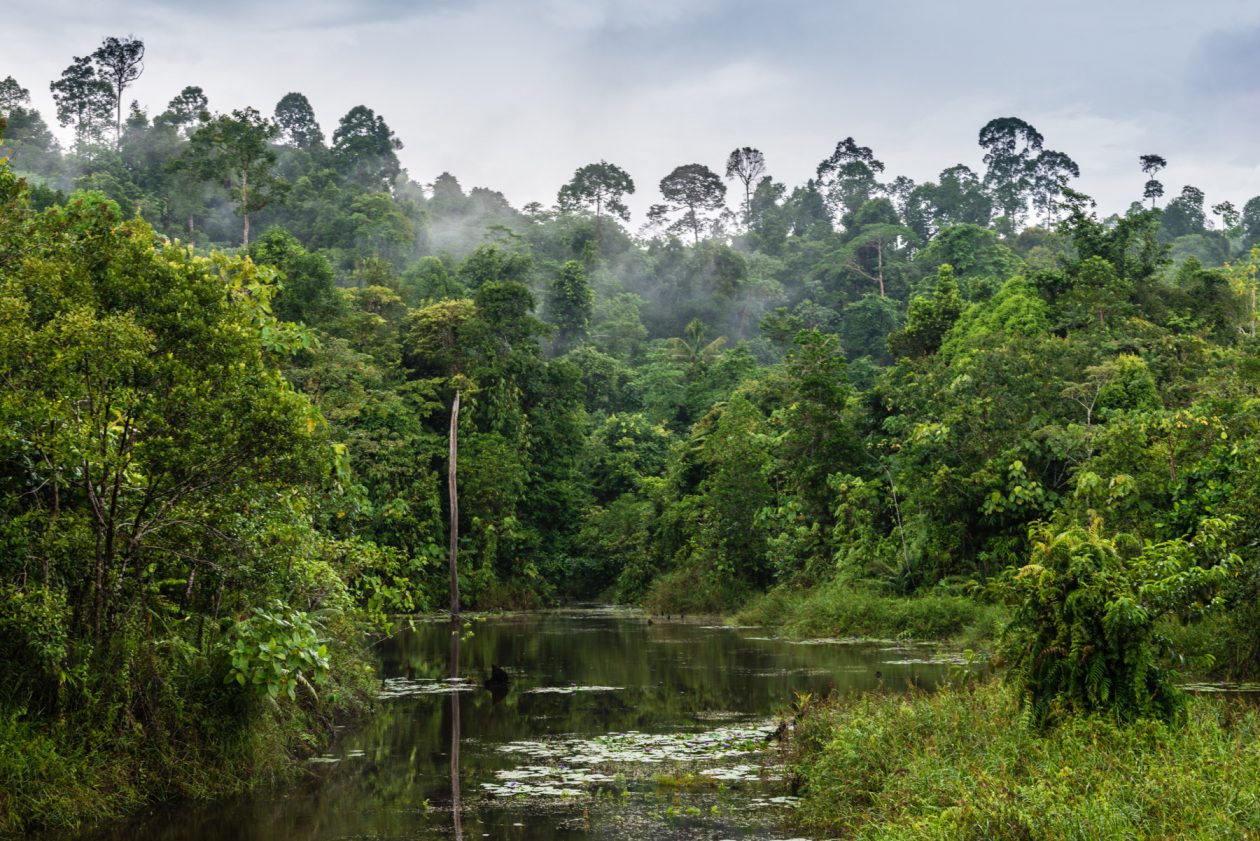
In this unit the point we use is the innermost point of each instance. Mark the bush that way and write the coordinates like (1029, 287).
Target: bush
(1083, 638)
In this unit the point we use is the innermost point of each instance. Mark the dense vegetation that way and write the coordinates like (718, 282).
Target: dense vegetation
(230, 342)
(961, 764)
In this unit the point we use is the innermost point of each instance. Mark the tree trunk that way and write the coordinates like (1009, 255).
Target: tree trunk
(454, 498)
(245, 203)
(879, 251)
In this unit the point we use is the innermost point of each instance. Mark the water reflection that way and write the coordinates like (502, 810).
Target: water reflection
(457, 802)
(582, 744)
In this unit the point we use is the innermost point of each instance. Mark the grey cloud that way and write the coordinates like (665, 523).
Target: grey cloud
(1227, 62)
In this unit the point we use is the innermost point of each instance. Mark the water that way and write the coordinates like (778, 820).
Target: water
(610, 728)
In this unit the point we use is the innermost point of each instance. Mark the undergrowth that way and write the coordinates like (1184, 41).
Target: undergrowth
(965, 763)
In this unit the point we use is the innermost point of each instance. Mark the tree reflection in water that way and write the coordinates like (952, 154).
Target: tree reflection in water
(457, 804)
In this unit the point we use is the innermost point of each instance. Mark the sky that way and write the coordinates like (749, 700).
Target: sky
(515, 95)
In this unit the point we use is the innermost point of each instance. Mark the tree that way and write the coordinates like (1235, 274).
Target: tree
(1009, 145)
(366, 149)
(691, 350)
(119, 62)
(1250, 223)
(185, 111)
(235, 149)
(1229, 216)
(600, 187)
(746, 164)
(872, 233)
(693, 190)
(169, 439)
(958, 197)
(83, 100)
(1152, 164)
(928, 320)
(440, 341)
(1051, 171)
(569, 305)
(12, 95)
(848, 176)
(816, 437)
(24, 136)
(296, 119)
(1184, 215)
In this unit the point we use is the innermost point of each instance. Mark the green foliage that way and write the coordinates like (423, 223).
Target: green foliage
(962, 763)
(569, 305)
(1083, 636)
(847, 609)
(861, 393)
(275, 650)
(928, 320)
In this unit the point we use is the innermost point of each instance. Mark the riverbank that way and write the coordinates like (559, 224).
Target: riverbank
(963, 763)
(838, 609)
(72, 772)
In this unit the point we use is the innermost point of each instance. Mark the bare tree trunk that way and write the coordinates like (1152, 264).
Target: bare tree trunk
(879, 251)
(245, 202)
(454, 497)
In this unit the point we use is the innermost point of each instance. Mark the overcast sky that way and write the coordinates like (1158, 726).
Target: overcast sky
(516, 95)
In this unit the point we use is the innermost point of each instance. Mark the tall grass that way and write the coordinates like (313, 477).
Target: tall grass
(838, 608)
(964, 764)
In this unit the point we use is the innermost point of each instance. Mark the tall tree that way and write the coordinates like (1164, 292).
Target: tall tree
(847, 178)
(366, 149)
(1009, 146)
(185, 110)
(747, 165)
(1152, 164)
(236, 150)
(119, 62)
(296, 119)
(600, 187)
(1184, 215)
(1229, 215)
(83, 100)
(1051, 172)
(696, 192)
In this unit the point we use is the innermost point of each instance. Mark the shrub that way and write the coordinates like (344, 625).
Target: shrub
(1083, 636)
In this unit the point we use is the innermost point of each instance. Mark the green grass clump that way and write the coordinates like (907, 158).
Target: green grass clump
(964, 764)
(688, 590)
(848, 610)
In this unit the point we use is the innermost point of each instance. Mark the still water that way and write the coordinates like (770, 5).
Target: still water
(610, 727)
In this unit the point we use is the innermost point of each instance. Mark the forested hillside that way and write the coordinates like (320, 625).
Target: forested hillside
(230, 340)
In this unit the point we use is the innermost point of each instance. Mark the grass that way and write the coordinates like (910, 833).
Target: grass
(963, 764)
(841, 609)
(687, 590)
